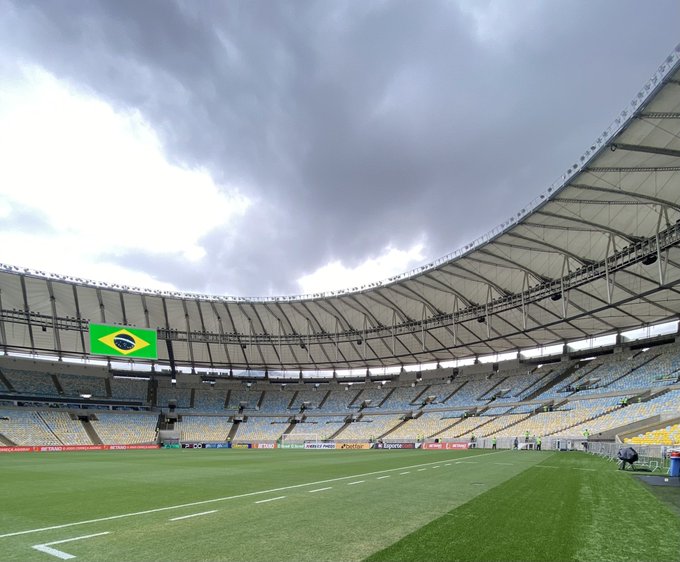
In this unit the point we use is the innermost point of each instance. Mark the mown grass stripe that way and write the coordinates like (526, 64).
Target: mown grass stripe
(537, 515)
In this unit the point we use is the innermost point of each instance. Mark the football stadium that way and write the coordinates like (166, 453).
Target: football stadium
(517, 399)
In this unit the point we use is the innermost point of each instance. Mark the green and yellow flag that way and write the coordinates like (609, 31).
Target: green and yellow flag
(123, 341)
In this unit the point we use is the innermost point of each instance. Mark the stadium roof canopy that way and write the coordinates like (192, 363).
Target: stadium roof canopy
(596, 254)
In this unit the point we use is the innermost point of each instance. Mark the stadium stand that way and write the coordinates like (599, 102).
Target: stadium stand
(129, 389)
(339, 400)
(276, 400)
(562, 399)
(67, 430)
(204, 428)
(669, 435)
(261, 429)
(368, 428)
(26, 427)
(76, 385)
(211, 400)
(322, 426)
(31, 383)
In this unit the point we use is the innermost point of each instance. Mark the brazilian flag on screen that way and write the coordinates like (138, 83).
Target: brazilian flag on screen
(122, 341)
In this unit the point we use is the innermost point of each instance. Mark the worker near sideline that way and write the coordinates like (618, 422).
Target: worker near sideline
(538, 443)
(493, 443)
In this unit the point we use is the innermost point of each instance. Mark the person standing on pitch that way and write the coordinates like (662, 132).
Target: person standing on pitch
(493, 443)
(538, 443)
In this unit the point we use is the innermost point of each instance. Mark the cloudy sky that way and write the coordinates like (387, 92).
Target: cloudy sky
(258, 147)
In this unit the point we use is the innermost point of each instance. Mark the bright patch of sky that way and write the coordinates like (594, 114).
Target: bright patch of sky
(335, 275)
(98, 185)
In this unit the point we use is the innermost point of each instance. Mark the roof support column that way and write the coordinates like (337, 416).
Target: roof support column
(278, 336)
(453, 320)
(663, 264)
(525, 288)
(565, 295)
(3, 334)
(394, 321)
(250, 342)
(609, 278)
(337, 338)
(187, 327)
(55, 330)
(422, 326)
(486, 311)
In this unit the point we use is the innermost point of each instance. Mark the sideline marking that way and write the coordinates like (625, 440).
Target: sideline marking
(226, 498)
(45, 547)
(193, 515)
(543, 466)
(357, 482)
(407, 472)
(421, 469)
(381, 477)
(321, 489)
(271, 499)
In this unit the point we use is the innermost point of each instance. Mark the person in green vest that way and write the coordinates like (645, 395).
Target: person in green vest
(538, 443)
(586, 434)
(526, 436)
(493, 443)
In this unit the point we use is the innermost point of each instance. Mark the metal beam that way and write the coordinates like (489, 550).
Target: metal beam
(646, 149)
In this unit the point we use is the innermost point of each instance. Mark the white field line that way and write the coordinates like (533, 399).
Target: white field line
(577, 468)
(407, 472)
(505, 463)
(226, 498)
(271, 499)
(448, 464)
(321, 489)
(535, 466)
(357, 482)
(421, 469)
(381, 477)
(193, 515)
(45, 547)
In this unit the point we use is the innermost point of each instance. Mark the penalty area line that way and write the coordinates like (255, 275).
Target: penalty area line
(46, 547)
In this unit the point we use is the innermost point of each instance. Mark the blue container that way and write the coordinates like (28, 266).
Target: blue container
(675, 466)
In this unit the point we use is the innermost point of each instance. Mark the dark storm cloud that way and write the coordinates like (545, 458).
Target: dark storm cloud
(354, 125)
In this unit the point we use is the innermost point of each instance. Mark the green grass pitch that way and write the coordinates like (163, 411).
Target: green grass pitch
(328, 505)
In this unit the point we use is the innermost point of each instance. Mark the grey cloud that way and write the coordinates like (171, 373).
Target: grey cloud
(358, 125)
